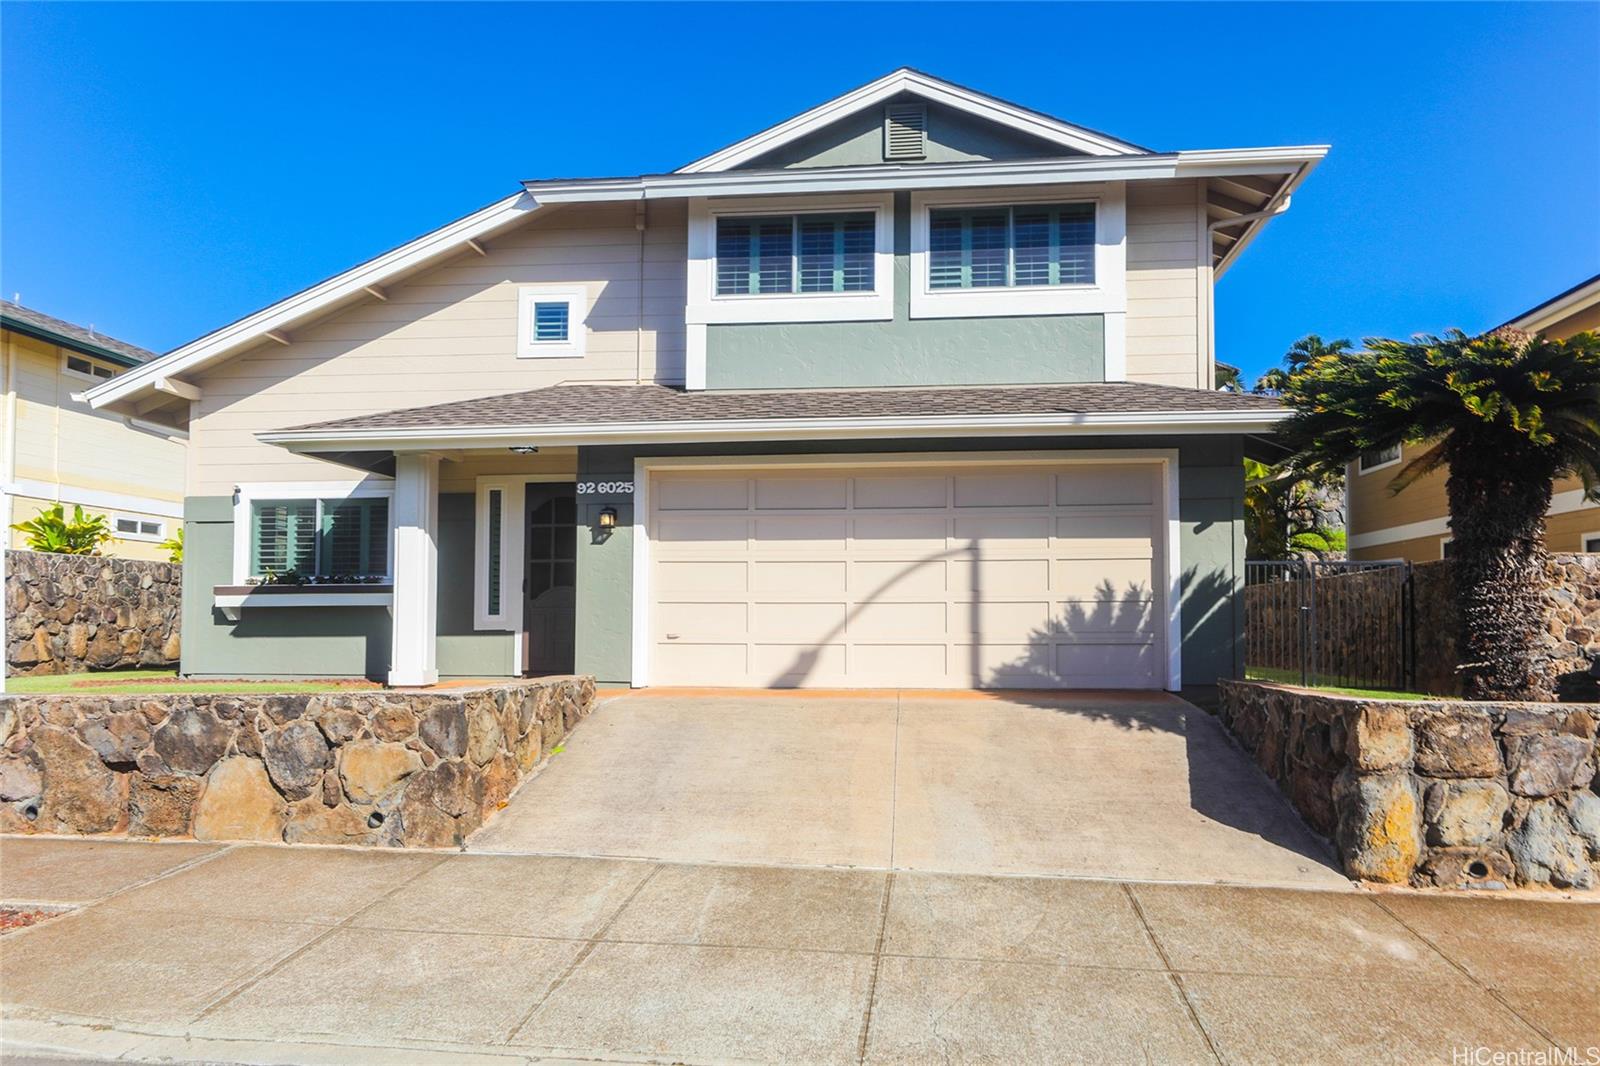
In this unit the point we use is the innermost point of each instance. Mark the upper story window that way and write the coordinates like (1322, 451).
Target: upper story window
(325, 538)
(785, 254)
(1012, 245)
(550, 322)
(84, 366)
(1378, 458)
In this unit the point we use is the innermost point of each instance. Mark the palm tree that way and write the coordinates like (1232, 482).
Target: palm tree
(1508, 413)
(1301, 354)
(1287, 516)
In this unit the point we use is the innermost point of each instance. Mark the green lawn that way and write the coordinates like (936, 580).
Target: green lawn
(1292, 677)
(148, 682)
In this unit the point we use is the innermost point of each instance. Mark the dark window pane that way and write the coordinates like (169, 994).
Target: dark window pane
(565, 509)
(566, 576)
(544, 512)
(566, 545)
(989, 251)
(540, 541)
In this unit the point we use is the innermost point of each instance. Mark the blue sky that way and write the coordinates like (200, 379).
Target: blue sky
(166, 169)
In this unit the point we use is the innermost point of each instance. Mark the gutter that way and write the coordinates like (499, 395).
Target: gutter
(60, 340)
(430, 438)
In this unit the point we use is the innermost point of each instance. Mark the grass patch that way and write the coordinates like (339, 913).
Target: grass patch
(153, 682)
(1292, 677)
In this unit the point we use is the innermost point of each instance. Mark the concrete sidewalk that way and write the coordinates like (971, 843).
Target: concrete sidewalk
(186, 952)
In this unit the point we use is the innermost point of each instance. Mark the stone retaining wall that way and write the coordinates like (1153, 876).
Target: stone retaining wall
(1433, 792)
(70, 613)
(399, 768)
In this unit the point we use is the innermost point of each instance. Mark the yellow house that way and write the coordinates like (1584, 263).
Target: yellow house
(1415, 524)
(55, 448)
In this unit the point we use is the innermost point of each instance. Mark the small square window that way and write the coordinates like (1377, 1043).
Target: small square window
(1377, 458)
(86, 367)
(131, 527)
(550, 321)
(1591, 543)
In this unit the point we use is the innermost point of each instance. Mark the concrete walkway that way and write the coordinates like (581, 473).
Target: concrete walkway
(185, 952)
(1129, 785)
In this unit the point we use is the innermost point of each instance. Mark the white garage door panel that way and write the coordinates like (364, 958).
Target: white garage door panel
(970, 576)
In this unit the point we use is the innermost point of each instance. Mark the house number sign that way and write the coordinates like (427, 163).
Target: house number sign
(603, 488)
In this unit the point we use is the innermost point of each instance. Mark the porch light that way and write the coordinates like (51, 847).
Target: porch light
(608, 518)
(525, 449)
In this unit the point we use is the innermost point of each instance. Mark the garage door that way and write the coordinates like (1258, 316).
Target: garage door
(944, 577)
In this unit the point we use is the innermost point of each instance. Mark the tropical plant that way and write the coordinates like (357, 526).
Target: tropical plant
(1507, 413)
(1287, 516)
(51, 531)
(1301, 354)
(173, 546)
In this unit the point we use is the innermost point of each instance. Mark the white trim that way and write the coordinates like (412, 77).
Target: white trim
(231, 604)
(246, 493)
(576, 297)
(706, 306)
(430, 247)
(1564, 502)
(1115, 327)
(1291, 161)
(1553, 311)
(1584, 539)
(482, 617)
(1442, 542)
(1108, 293)
(1171, 525)
(109, 501)
(694, 356)
(930, 88)
(427, 438)
(155, 538)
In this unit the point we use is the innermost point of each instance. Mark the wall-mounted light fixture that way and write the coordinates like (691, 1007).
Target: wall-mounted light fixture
(525, 449)
(608, 518)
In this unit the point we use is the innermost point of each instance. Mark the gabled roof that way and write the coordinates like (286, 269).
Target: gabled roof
(991, 108)
(1583, 295)
(51, 330)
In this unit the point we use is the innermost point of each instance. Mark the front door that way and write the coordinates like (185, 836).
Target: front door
(550, 585)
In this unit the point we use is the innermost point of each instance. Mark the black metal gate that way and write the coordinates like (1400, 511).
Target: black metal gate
(1347, 624)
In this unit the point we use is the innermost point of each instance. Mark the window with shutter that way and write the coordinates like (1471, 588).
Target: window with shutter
(331, 539)
(795, 253)
(977, 248)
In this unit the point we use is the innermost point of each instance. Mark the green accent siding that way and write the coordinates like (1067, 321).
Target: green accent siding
(463, 651)
(278, 642)
(944, 351)
(953, 137)
(1210, 545)
(1022, 350)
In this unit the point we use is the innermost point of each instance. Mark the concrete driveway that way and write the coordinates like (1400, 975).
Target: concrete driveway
(306, 955)
(1140, 786)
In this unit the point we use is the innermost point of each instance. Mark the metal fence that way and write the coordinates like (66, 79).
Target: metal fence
(1348, 624)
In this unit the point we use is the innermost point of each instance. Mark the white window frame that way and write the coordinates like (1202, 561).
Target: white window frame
(706, 307)
(1442, 542)
(67, 353)
(1583, 542)
(1399, 454)
(577, 300)
(513, 496)
(157, 537)
(1106, 295)
(246, 495)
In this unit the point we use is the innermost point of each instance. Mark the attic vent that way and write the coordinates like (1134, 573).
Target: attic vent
(905, 131)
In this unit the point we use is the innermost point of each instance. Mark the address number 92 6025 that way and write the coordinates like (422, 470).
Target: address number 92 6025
(604, 488)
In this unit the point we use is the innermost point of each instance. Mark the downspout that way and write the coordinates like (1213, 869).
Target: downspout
(1274, 207)
(638, 332)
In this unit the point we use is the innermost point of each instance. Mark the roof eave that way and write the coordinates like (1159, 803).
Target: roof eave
(429, 438)
(50, 336)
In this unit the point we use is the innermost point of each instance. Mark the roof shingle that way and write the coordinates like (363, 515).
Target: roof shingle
(567, 405)
(71, 336)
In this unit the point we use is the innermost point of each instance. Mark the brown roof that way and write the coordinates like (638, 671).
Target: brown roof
(70, 336)
(602, 404)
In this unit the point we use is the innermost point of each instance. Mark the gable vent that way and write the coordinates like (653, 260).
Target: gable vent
(905, 131)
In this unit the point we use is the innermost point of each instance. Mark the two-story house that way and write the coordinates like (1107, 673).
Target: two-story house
(912, 389)
(56, 449)
(1414, 524)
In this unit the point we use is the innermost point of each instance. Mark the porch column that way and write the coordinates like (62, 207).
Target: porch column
(412, 651)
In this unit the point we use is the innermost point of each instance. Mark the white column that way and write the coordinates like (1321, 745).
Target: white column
(412, 652)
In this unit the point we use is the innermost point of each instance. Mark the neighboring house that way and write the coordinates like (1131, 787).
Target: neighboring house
(57, 449)
(1414, 524)
(912, 389)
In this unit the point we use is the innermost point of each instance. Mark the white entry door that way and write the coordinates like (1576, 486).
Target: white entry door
(955, 576)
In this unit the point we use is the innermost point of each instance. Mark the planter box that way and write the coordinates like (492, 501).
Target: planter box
(231, 599)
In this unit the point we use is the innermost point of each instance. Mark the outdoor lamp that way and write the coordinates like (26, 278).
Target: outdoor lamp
(608, 518)
(525, 449)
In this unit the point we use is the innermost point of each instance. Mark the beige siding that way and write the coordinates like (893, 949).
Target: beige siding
(1167, 331)
(450, 334)
(61, 449)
